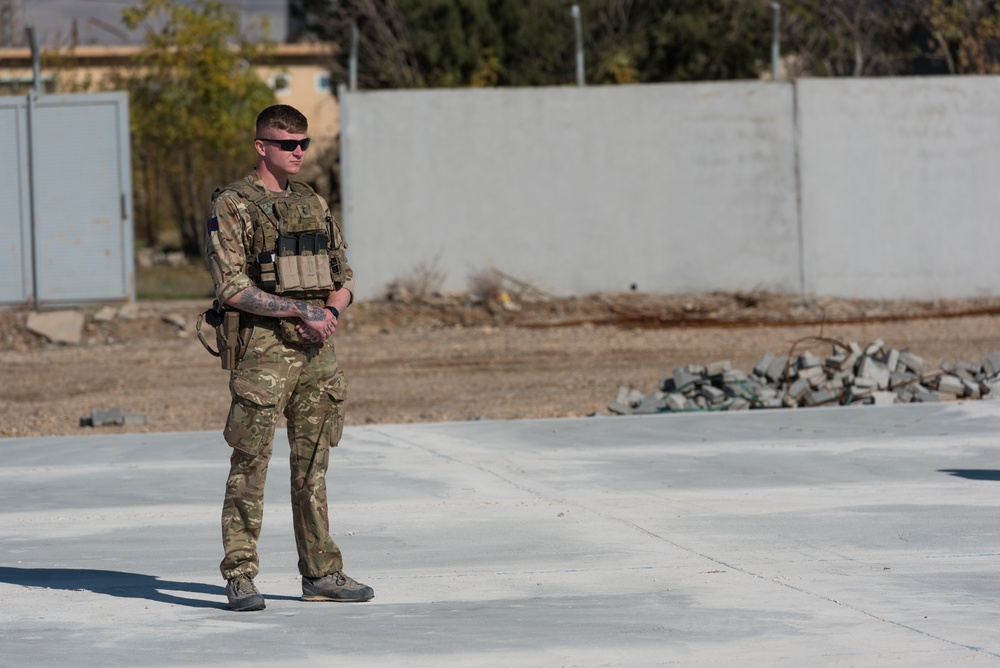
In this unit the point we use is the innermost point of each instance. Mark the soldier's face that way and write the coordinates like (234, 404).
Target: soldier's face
(277, 159)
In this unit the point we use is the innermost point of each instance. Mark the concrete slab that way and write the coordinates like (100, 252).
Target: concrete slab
(820, 537)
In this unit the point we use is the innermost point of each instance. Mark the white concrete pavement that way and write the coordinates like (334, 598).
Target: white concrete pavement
(820, 537)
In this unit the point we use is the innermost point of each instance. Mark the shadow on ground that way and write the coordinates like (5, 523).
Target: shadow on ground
(118, 583)
(973, 474)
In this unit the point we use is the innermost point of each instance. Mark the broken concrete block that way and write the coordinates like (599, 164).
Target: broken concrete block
(634, 398)
(991, 365)
(836, 362)
(649, 405)
(869, 368)
(914, 363)
(735, 376)
(619, 408)
(718, 368)
(714, 395)
(972, 390)
(620, 404)
(58, 326)
(820, 397)
(924, 395)
(676, 402)
(818, 382)
(953, 385)
(765, 363)
(684, 379)
(899, 378)
(990, 389)
(738, 404)
(113, 416)
(880, 398)
(811, 372)
(808, 361)
(892, 359)
(966, 369)
(864, 384)
(776, 370)
(875, 347)
(798, 389)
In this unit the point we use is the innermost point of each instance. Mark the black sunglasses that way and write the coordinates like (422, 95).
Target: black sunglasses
(288, 144)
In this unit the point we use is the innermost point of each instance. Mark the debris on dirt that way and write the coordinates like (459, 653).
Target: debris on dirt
(447, 358)
(850, 375)
(113, 416)
(57, 326)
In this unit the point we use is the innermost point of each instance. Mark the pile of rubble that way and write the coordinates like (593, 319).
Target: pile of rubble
(851, 375)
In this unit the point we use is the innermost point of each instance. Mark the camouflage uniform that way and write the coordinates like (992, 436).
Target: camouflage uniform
(301, 381)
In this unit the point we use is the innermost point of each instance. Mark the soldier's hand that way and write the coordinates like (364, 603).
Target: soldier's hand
(317, 324)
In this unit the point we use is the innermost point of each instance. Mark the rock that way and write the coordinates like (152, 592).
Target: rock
(129, 311)
(175, 319)
(58, 326)
(105, 314)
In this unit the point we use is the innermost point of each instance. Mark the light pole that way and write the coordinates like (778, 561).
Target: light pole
(775, 39)
(575, 12)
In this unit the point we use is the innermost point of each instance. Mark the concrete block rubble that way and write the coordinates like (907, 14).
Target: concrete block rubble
(849, 376)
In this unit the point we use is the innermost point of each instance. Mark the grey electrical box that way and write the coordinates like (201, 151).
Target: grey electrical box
(65, 174)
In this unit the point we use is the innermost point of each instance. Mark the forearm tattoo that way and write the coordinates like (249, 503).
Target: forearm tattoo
(255, 300)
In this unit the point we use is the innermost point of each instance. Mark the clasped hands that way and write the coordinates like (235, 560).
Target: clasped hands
(317, 330)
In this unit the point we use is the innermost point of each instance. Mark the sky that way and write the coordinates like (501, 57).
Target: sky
(99, 21)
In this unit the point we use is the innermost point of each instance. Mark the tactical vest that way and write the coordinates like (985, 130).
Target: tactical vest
(297, 250)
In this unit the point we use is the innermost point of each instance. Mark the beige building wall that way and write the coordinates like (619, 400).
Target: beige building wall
(296, 72)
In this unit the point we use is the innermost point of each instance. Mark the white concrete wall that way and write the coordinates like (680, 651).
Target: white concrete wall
(671, 188)
(901, 186)
(870, 188)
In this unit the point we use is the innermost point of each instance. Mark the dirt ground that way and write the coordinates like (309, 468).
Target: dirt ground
(449, 359)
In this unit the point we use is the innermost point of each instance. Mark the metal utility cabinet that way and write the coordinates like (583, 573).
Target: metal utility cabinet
(66, 185)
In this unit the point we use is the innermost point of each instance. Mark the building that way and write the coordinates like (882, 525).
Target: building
(298, 74)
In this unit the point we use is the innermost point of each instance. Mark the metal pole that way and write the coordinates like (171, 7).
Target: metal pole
(352, 66)
(775, 39)
(32, 209)
(36, 57)
(575, 12)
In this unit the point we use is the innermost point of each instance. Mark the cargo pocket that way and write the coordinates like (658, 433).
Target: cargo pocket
(337, 395)
(252, 416)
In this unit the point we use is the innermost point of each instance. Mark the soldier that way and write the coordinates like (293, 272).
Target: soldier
(277, 260)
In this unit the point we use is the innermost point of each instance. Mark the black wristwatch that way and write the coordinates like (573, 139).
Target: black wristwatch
(333, 310)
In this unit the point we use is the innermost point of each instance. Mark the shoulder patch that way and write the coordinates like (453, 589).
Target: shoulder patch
(213, 224)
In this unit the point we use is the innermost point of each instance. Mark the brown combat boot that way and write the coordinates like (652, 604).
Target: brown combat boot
(243, 595)
(335, 587)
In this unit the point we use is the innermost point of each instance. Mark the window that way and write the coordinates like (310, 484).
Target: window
(280, 83)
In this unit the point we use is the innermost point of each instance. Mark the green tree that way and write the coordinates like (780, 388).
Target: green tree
(682, 40)
(851, 37)
(966, 34)
(193, 101)
(413, 43)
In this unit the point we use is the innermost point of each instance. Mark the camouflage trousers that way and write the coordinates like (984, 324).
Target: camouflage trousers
(306, 385)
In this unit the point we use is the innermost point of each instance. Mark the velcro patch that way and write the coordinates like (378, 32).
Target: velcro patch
(213, 224)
